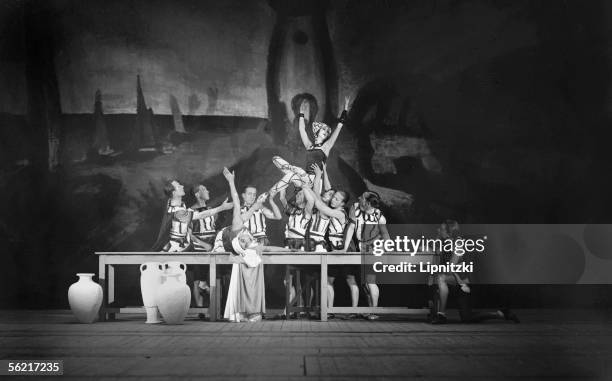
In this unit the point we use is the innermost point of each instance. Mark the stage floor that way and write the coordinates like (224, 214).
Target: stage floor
(547, 344)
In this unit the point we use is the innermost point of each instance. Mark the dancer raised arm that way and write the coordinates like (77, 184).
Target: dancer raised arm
(326, 183)
(327, 143)
(316, 152)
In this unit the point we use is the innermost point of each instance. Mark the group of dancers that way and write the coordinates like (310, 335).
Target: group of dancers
(317, 222)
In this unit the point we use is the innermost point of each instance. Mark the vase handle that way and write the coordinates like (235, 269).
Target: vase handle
(143, 267)
(183, 267)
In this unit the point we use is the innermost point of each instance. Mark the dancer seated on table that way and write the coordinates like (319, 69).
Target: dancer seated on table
(255, 216)
(317, 152)
(368, 224)
(450, 230)
(246, 295)
(299, 211)
(174, 234)
(202, 233)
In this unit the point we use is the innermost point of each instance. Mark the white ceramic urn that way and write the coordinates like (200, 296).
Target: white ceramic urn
(173, 298)
(150, 279)
(85, 298)
(175, 267)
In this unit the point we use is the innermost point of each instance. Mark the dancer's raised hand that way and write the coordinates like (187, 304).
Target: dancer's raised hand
(262, 197)
(229, 176)
(226, 205)
(316, 169)
(260, 200)
(347, 100)
(305, 109)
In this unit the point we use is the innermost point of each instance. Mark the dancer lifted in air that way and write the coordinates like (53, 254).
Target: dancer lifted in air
(317, 152)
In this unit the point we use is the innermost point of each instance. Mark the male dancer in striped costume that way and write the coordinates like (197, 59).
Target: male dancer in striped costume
(332, 220)
(174, 231)
(368, 224)
(299, 212)
(203, 237)
(254, 215)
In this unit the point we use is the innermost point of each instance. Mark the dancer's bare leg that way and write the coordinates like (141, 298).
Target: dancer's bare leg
(350, 280)
(443, 292)
(373, 295)
(292, 175)
(330, 291)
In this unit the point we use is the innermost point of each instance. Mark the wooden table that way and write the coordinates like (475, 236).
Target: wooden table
(107, 261)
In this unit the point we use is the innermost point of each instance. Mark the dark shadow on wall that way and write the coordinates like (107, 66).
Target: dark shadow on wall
(317, 11)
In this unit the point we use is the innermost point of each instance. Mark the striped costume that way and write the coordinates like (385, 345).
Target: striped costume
(256, 224)
(336, 231)
(203, 229)
(318, 229)
(179, 227)
(296, 228)
(366, 226)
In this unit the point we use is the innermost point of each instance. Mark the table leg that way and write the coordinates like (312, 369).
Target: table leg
(323, 287)
(287, 291)
(212, 281)
(111, 289)
(102, 283)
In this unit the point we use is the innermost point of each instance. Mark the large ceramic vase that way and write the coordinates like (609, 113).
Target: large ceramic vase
(150, 280)
(176, 268)
(85, 298)
(173, 299)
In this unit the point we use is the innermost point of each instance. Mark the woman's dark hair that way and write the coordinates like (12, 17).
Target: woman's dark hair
(372, 198)
(297, 101)
(168, 188)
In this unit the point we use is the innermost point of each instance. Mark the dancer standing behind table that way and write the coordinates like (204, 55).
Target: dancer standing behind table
(246, 295)
(368, 224)
(335, 218)
(317, 152)
(202, 232)
(299, 211)
(255, 217)
(174, 234)
(317, 230)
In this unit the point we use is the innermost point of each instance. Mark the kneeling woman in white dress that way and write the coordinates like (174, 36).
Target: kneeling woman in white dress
(246, 295)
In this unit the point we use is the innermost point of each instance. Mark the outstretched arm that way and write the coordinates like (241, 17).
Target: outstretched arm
(275, 213)
(326, 183)
(283, 198)
(304, 109)
(350, 230)
(255, 207)
(317, 180)
(309, 206)
(322, 207)
(213, 211)
(236, 220)
(327, 146)
(382, 225)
